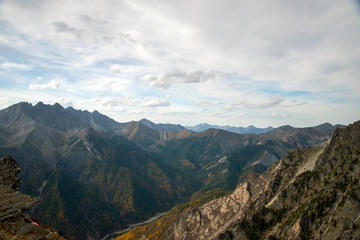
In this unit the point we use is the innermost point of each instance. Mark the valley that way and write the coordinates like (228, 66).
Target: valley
(94, 175)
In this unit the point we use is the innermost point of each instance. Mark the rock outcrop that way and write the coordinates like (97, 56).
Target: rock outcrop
(13, 222)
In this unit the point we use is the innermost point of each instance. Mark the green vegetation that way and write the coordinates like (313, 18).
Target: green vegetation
(73, 206)
(261, 221)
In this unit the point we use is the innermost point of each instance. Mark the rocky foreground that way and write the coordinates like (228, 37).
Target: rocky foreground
(14, 224)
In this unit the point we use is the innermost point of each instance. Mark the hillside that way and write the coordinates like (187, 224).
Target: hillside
(218, 158)
(311, 193)
(90, 182)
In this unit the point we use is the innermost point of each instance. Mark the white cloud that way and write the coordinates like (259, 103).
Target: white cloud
(115, 68)
(53, 84)
(165, 80)
(146, 102)
(278, 115)
(208, 103)
(19, 66)
(152, 102)
(63, 27)
(4, 102)
(276, 100)
(246, 61)
(117, 101)
(105, 84)
(263, 104)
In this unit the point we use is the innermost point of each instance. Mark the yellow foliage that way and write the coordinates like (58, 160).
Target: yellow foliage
(186, 162)
(126, 236)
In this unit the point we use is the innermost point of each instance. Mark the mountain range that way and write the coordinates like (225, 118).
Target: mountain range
(94, 175)
(240, 130)
(311, 193)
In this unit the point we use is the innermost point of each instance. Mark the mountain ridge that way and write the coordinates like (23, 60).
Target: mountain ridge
(240, 130)
(311, 193)
(129, 171)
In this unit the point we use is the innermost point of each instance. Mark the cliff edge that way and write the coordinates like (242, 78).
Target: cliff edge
(14, 223)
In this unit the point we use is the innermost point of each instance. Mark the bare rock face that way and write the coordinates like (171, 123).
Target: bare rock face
(13, 223)
(212, 220)
(203, 222)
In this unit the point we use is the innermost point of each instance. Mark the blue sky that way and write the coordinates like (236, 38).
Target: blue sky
(226, 62)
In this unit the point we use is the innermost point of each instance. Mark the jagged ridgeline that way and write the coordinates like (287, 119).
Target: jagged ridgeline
(311, 193)
(95, 176)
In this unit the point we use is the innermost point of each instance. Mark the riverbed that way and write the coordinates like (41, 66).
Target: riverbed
(131, 226)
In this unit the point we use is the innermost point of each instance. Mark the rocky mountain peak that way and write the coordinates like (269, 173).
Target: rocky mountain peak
(164, 127)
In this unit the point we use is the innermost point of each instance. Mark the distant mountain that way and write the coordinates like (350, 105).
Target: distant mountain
(85, 172)
(161, 126)
(328, 128)
(218, 158)
(58, 118)
(240, 130)
(311, 193)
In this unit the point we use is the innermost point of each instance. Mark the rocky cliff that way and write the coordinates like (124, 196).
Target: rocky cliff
(14, 223)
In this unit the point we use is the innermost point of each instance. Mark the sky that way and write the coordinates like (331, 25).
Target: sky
(224, 62)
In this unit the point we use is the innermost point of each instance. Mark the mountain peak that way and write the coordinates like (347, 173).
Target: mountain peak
(21, 106)
(147, 122)
(165, 127)
(40, 104)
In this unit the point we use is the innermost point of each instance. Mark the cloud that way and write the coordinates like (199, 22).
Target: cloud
(63, 27)
(207, 103)
(269, 103)
(151, 102)
(106, 84)
(290, 48)
(53, 84)
(115, 68)
(277, 115)
(146, 102)
(117, 101)
(296, 103)
(10, 65)
(165, 80)
(4, 102)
